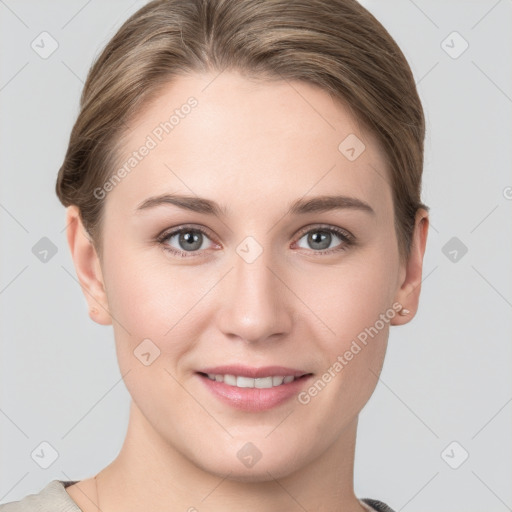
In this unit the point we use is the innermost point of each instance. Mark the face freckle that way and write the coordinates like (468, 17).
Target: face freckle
(251, 165)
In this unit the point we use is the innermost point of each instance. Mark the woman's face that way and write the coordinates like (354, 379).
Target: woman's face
(263, 274)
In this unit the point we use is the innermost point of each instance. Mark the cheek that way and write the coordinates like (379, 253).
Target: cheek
(149, 298)
(354, 301)
(349, 297)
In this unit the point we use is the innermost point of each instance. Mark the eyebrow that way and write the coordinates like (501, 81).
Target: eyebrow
(301, 206)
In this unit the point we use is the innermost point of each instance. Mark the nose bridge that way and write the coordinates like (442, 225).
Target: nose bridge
(254, 306)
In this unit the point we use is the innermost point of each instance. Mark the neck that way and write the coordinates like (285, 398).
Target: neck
(149, 474)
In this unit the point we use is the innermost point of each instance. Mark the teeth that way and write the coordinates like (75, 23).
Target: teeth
(244, 382)
(277, 381)
(263, 382)
(248, 382)
(230, 379)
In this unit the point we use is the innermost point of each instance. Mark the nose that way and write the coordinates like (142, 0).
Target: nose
(255, 304)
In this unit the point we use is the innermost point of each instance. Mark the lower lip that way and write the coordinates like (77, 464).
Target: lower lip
(254, 399)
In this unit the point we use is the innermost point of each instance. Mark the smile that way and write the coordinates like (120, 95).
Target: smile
(253, 389)
(247, 382)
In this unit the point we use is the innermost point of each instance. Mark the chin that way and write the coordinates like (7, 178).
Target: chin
(249, 464)
(261, 472)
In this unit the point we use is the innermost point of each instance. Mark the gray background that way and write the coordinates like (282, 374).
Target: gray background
(447, 374)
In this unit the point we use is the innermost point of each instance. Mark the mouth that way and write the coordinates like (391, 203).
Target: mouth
(253, 389)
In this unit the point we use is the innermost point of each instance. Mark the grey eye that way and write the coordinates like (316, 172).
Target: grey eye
(318, 239)
(188, 240)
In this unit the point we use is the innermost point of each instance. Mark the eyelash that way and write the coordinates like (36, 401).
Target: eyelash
(347, 238)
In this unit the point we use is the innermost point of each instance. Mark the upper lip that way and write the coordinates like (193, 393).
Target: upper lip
(248, 371)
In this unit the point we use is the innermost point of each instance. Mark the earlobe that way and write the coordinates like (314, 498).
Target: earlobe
(409, 293)
(87, 266)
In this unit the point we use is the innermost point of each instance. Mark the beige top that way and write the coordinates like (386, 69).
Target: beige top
(54, 498)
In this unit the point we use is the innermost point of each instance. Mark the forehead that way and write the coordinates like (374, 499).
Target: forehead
(239, 141)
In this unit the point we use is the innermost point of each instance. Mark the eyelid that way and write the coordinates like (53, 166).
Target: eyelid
(183, 227)
(327, 227)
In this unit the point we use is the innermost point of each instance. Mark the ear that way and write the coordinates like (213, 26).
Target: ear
(87, 266)
(408, 294)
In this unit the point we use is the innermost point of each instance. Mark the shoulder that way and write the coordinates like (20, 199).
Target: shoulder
(52, 498)
(372, 505)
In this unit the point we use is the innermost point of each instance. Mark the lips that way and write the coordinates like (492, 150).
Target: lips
(253, 389)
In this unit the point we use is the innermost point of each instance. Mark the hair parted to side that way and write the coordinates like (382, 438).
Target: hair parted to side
(336, 45)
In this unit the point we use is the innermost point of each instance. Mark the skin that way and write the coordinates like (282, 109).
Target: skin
(254, 147)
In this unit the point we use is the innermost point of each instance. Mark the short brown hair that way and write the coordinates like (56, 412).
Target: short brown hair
(336, 45)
